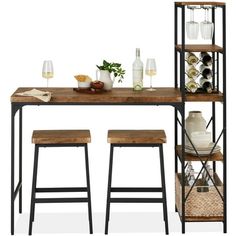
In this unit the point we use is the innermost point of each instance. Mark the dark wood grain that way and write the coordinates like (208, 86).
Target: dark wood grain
(200, 48)
(61, 136)
(136, 136)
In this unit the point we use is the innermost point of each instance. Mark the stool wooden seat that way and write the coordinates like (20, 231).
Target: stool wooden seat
(136, 136)
(60, 136)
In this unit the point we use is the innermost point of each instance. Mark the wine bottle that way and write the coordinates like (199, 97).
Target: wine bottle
(206, 58)
(191, 86)
(206, 85)
(191, 58)
(137, 72)
(206, 71)
(192, 72)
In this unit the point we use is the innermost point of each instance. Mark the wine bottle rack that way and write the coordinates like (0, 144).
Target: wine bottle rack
(192, 205)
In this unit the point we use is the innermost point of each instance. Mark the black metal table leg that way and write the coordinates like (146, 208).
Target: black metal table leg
(88, 190)
(12, 166)
(109, 189)
(18, 189)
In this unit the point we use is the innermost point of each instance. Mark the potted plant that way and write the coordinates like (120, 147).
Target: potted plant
(106, 69)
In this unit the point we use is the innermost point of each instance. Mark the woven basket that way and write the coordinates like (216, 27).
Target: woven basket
(200, 206)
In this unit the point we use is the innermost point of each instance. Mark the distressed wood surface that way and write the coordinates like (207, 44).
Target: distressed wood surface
(115, 96)
(200, 48)
(136, 136)
(61, 136)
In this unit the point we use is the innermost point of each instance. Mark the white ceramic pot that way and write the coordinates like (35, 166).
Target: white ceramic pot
(194, 123)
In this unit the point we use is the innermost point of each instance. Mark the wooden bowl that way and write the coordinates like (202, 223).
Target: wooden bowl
(97, 84)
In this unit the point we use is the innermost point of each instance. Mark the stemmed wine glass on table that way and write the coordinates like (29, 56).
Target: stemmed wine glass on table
(47, 71)
(150, 70)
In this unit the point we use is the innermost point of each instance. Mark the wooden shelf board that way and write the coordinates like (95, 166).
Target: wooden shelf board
(200, 3)
(204, 97)
(200, 48)
(189, 157)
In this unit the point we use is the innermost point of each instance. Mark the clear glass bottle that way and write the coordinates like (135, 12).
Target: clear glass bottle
(191, 179)
(209, 180)
(191, 58)
(192, 72)
(137, 72)
(191, 86)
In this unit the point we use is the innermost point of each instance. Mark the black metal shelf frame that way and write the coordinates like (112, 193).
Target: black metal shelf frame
(179, 81)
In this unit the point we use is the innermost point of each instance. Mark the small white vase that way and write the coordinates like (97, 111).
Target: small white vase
(194, 123)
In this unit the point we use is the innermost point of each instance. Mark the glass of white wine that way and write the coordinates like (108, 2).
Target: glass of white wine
(47, 71)
(150, 70)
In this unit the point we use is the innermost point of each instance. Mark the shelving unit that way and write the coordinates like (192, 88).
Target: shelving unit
(189, 199)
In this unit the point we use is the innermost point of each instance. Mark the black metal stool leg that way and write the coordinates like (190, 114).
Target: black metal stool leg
(88, 189)
(163, 188)
(20, 160)
(36, 153)
(109, 189)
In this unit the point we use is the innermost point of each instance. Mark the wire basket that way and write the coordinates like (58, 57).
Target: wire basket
(203, 203)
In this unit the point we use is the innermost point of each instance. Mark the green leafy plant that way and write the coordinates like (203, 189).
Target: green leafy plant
(114, 68)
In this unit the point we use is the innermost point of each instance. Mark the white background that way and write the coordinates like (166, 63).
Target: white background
(77, 35)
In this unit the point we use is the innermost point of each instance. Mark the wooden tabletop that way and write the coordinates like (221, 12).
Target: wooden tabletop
(115, 96)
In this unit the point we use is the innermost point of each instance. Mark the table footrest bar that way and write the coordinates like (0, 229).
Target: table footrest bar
(19, 185)
(60, 200)
(66, 189)
(134, 189)
(136, 200)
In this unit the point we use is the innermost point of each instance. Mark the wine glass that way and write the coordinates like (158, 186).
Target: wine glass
(207, 27)
(150, 71)
(47, 71)
(192, 27)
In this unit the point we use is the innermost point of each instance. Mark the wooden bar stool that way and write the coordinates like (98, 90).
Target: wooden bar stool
(137, 138)
(60, 138)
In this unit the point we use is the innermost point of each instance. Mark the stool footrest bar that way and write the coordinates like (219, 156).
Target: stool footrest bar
(136, 200)
(60, 200)
(134, 189)
(66, 189)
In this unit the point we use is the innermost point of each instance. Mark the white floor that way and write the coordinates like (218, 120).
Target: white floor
(141, 223)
